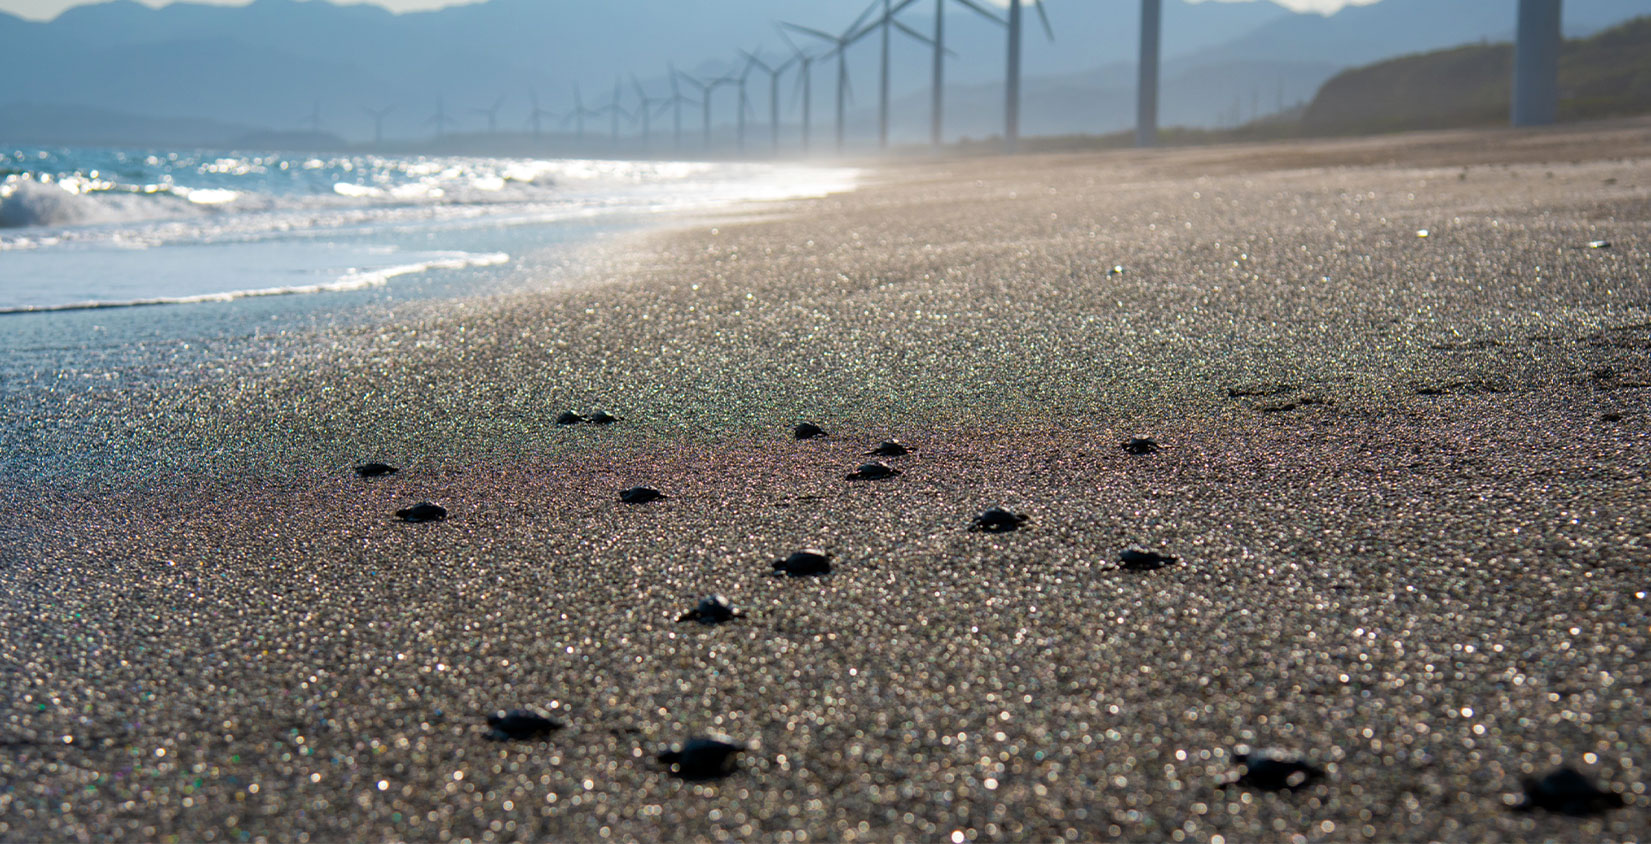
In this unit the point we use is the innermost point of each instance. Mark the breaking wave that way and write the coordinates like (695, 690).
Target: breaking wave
(353, 280)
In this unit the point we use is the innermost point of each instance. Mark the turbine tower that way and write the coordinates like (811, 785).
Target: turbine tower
(1146, 95)
(1536, 63)
(1011, 106)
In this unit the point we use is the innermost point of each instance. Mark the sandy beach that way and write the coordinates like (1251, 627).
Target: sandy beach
(1406, 478)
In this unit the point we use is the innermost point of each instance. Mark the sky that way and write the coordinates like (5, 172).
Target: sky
(47, 9)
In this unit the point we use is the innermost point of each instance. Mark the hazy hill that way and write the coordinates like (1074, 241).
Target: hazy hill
(1606, 75)
(1360, 35)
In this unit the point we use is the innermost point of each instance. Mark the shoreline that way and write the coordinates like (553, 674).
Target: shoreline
(1411, 546)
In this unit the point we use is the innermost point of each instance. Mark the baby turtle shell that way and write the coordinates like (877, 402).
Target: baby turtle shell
(807, 431)
(1136, 558)
(1274, 770)
(375, 470)
(997, 520)
(602, 417)
(641, 495)
(890, 448)
(1140, 445)
(804, 563)
(568, 417)
(703, 758)
(423, 511)
(521, 724)
(873, 472)
(712, 609)
(1567, 792)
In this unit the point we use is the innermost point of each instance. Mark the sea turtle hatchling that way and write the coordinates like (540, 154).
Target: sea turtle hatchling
(803, 563)
(641, 495)
(1273, 770)
(703, 758)
(1139, 445)
(519, 724)
(873, 472)
(375, 470)
(890, 448)
(1568, 792)
(602, 417)
(1136, 558)
(807, 431)
(712, 609)
(568, 417)
(997, 520)
(423, 511)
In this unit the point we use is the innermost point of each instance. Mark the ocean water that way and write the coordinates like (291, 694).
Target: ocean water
(100, 228)
(126, 272)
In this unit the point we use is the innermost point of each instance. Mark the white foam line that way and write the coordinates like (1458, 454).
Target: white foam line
(354, 280)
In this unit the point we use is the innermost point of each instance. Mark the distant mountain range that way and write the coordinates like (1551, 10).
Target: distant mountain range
(188, 73)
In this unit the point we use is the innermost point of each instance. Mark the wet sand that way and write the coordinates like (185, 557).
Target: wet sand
(1406, 478)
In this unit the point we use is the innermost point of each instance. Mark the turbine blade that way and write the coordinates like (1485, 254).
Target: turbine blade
(796, 51)
(984, 12)
(1044, 16)
(862, 18)
(901, 6)
(913, 33)
(808, 31)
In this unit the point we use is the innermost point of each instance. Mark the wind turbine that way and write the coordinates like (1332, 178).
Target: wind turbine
(1011, 106)
(535, 113)
(773, 89)
(705, 90)
(492, 115)
(937, 104)
(676, 101)
(644, 110)
(840, 44)
(805, 80)
(884, 23)
(378, 115)
(441, 120)
(744, 103)
(314, 121)
(579, 113)
(617, 111)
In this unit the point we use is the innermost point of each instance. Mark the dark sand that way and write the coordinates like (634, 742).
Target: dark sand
(1411, 547)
